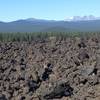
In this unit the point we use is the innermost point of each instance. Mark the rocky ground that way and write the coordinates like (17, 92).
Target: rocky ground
(50, 69)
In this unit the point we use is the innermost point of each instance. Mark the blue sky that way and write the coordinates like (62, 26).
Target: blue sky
(47, 9)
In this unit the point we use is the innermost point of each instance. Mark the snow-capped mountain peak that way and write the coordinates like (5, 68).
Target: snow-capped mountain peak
(82, 18)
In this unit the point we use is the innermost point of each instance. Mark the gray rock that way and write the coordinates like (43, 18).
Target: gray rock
(87, 70)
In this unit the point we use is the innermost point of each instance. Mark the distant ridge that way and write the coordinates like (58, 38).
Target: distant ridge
(39, 25)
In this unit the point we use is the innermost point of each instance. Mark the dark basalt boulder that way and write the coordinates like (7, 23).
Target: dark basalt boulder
(3, 97)
(47, 72)
(33, 85)
(60, 91)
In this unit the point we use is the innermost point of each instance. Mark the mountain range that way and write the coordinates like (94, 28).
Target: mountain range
(77, 23)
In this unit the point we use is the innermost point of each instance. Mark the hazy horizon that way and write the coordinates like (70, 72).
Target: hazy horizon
(47, 9)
